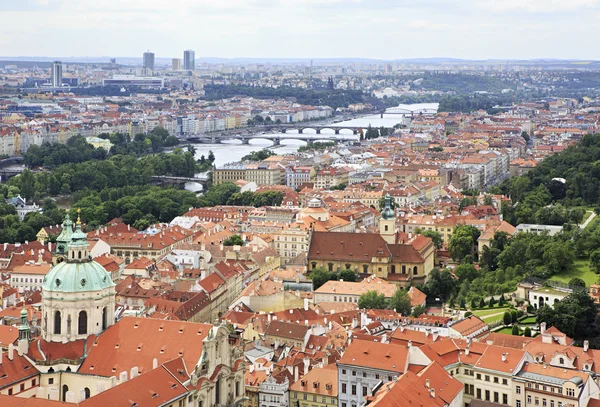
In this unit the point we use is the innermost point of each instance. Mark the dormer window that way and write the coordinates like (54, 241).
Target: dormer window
(561, 361)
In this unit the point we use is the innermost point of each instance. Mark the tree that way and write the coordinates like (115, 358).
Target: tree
(507, 318)
(487, 200)
(501, 301)
(436, 237)
(372, 300)
(27, 184)
(516, 331)
(418, 311)
(576, 282)
(525, 136)
(451, 302)
(575, 315)
(466, 272)
(462, 241)
(474, 303)
(482, 303)
(595, 261)
(492, 302)
(463, 305)
(348, 275)
(440, 286)
(527, 332)
(235, 240)
(320, 276)
(400, 302)
(514, 316)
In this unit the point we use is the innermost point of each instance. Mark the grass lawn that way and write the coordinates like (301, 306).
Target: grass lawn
(506, 330)
(484, 312)
(528, 320)
(492, 319)
(581, 269)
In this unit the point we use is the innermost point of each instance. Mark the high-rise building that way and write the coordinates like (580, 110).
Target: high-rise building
(189, 60)
(149, 60)
(176, 64)
(56, 74)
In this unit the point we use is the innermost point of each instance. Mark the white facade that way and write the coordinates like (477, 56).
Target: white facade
(273, 394)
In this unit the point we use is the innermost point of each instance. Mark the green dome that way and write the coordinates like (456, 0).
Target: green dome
(77, 277)
(388, 212)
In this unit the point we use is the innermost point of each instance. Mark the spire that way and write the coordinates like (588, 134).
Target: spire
(79, 217)
(78, 246)
(388, 212)
(24, 329)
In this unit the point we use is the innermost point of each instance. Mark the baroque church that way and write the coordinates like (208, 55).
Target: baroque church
(83, 353)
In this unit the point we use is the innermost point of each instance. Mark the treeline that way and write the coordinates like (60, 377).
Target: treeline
(229, 194)
(75, 150)
(316, 145)
(258, 155)
(466, 103)
(156, 140)
(333, 98)
(461, 83)
(578, 165)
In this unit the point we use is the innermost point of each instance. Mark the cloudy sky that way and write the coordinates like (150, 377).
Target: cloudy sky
(384, 29)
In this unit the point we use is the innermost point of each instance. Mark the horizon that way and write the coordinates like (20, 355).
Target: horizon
(385, 30)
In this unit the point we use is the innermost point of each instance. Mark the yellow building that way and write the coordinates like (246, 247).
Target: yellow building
(98, 142)
(318, 388)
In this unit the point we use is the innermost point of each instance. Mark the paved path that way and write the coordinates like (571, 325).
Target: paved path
(587, 221)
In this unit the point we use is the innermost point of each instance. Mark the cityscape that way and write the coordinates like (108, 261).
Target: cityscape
(271, 209)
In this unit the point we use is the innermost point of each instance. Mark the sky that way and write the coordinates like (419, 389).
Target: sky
(378, 29)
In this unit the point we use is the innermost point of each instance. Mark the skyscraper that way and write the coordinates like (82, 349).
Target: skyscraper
(149, 60)
(176, 64)
(189, 60)
(56, 74)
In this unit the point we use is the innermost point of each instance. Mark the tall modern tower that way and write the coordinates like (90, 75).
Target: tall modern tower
(149, 60)
(56, 74)
(189, 60)
(176, 64)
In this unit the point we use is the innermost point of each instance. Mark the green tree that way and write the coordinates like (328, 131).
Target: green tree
(527, 332)
(507, 318)
(436, 237)
(516, 331)
(576, 282)
(451, 302)
(491, 302)
(400, 302)
(482, 303)
(463, 304)
(595, 261)
(27, 184)
(320, 276)
(440, 286)
(418, 311)
(514, 316)
(234, 240)
(372, 300)
(462, 242)
(348, 275)
(575, 315)
(466, 272)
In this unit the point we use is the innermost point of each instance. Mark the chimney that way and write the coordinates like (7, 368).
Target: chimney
(123, 377)
(154, 363)
(306, 365)
(467, 351)
(129, 228)
(11, 351)
(252, 368)
(436, 334)
(134, 372)
(542, 328)
(295, 373)
(402, 328)
(427, 383)
(504, 357)
(586, 345)
(432, 393)
(306, 304)
(409, 345)
(1, 357)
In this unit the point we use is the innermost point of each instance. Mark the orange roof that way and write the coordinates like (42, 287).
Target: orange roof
(137, 341)
(376, 355)
(321, 381)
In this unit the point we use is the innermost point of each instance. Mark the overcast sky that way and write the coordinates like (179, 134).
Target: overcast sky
(383, 29)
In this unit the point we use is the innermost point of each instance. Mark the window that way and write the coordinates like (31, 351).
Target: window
(82, 323)
(537, 401)
(365, 389)
(364, 374)
(478, 376)
(377, 377)
(343, 387)
(528, 399)
(496, 397)
(505, 382)
(504, 398)
(415, 271)
(365, 268)
(343, 371)
(330, 266)
(51, 380)
(87, 393)
(479, 394)
(305, 396)
(22, 387)
(518, 389)
(544, 404)
(354, 373)
(354, 390)
(496, 380)
(487, 395)
(57, 323)
(570, 393)
(518, 403)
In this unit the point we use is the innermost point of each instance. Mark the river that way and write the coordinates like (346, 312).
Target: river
(232, 151)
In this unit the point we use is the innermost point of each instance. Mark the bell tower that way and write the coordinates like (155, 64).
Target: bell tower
(62, 241)
(387, 222)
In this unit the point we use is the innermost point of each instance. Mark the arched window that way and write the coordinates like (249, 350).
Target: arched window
(57, 323)
(366, 268)
(386, 228)
(79, 254)
(330, 266)
(314, 264)
(403, 269)
(415, 271)
(87, 393)
(65, 389)
(82, 323)
(393, 269)
(561, 361)
(104, 319)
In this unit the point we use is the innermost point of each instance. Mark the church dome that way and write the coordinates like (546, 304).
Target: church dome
(77, 277)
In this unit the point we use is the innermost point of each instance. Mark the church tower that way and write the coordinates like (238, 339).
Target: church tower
(62, 241)
(387, 222)
(24, 333)
(78, 294)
